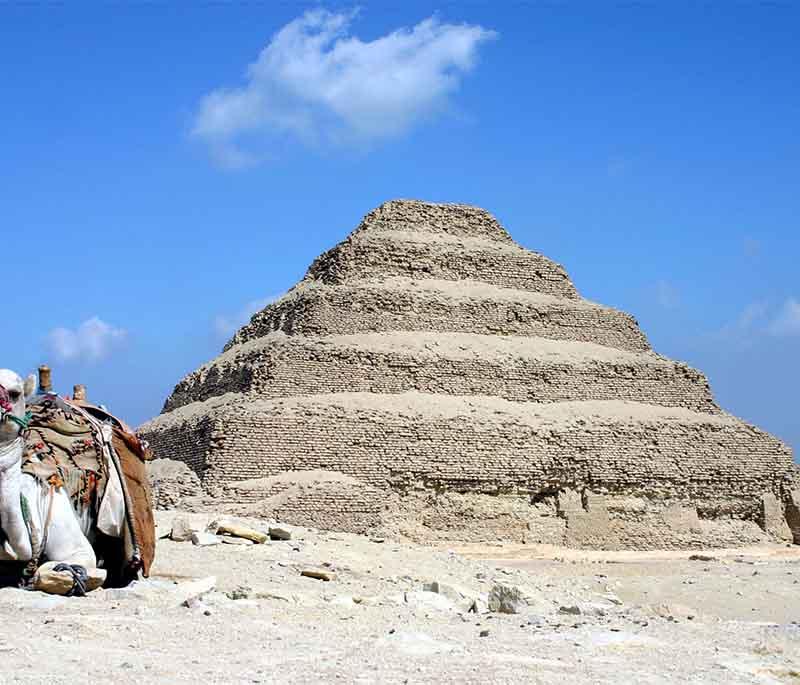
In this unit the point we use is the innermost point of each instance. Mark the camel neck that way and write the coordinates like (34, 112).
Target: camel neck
(12, 522)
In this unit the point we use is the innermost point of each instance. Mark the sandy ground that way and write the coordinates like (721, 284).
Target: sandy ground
(589, 617)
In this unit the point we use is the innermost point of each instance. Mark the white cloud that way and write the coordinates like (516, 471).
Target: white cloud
(751, 316)
(760, 319)
(225, 325)
(787, 322)
(91, 341)
(317, 83)
(747, 327)
(667, 295)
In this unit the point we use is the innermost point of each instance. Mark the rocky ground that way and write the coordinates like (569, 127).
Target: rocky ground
(400, 613)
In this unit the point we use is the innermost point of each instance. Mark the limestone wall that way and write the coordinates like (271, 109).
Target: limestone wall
(392, 253)
(399, 305)
(589, 520)
(462, 221)
(329, 504)
(645, 471)
(488, 445)
(515, 369)
(189, 441)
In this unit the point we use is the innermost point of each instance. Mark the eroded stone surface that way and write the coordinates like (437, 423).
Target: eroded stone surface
(431, 379)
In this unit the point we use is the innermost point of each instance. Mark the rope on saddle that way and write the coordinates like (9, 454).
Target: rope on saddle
(38, 544)
(33, 536)
(79, 578)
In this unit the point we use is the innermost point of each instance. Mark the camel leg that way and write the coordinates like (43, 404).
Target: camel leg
(66, 542)
(69, 553)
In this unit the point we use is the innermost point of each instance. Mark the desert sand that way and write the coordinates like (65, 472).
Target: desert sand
(405, 613)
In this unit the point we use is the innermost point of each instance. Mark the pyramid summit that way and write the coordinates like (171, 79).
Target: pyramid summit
(431, 378)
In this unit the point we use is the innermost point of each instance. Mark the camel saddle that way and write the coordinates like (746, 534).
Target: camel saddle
(100, 462)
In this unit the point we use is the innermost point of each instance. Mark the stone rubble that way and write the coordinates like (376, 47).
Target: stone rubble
(397, 611)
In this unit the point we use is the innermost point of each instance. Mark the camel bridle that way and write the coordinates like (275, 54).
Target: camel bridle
(7, 409)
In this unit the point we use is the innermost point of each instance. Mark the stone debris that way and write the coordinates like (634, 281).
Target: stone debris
(572, 610)
(480, 605)
(342, 631)
(202, 539)
(240, 592)
(510, 599)
(278, 595)
(279, 533)
(463, 599)
(242, 542)
(172, 483)
(672, 612)
(183, 529)
(318, 573)
(238, 531)
(194, 590)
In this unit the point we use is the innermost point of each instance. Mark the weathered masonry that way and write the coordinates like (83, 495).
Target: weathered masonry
(432, 378)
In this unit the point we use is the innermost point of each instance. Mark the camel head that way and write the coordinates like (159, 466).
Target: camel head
(13, 394)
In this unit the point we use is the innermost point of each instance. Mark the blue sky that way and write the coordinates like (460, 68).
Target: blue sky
(165, 167)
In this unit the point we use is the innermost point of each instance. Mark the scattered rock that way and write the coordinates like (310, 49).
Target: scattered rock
(237, 531)
(205, 539)
(592, 608)
(194, 603)
(510, 599)
(462, 598)
(182, 529)
(572, 610)
(673, 612)
(611, 597)
(484, 633)
(278, 533)
(480, 605)
(239, 592)
(702, 557)
(226, 539)
(277, 595)
(318, 573)
(194, 589)
(172, 482)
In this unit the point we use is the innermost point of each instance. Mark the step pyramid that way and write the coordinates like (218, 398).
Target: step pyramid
(431, 377)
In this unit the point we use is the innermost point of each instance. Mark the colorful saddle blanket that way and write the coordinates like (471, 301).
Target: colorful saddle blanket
(100, 463)
(64, 448)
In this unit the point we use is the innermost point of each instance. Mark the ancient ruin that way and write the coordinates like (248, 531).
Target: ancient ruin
(429, 377)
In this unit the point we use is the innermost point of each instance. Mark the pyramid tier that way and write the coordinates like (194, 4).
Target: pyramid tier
(463, 221)
(369, 255)
(402, 304)
(481, 445)
(519, 369)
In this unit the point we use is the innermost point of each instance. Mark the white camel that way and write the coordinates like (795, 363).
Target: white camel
(50, 518)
